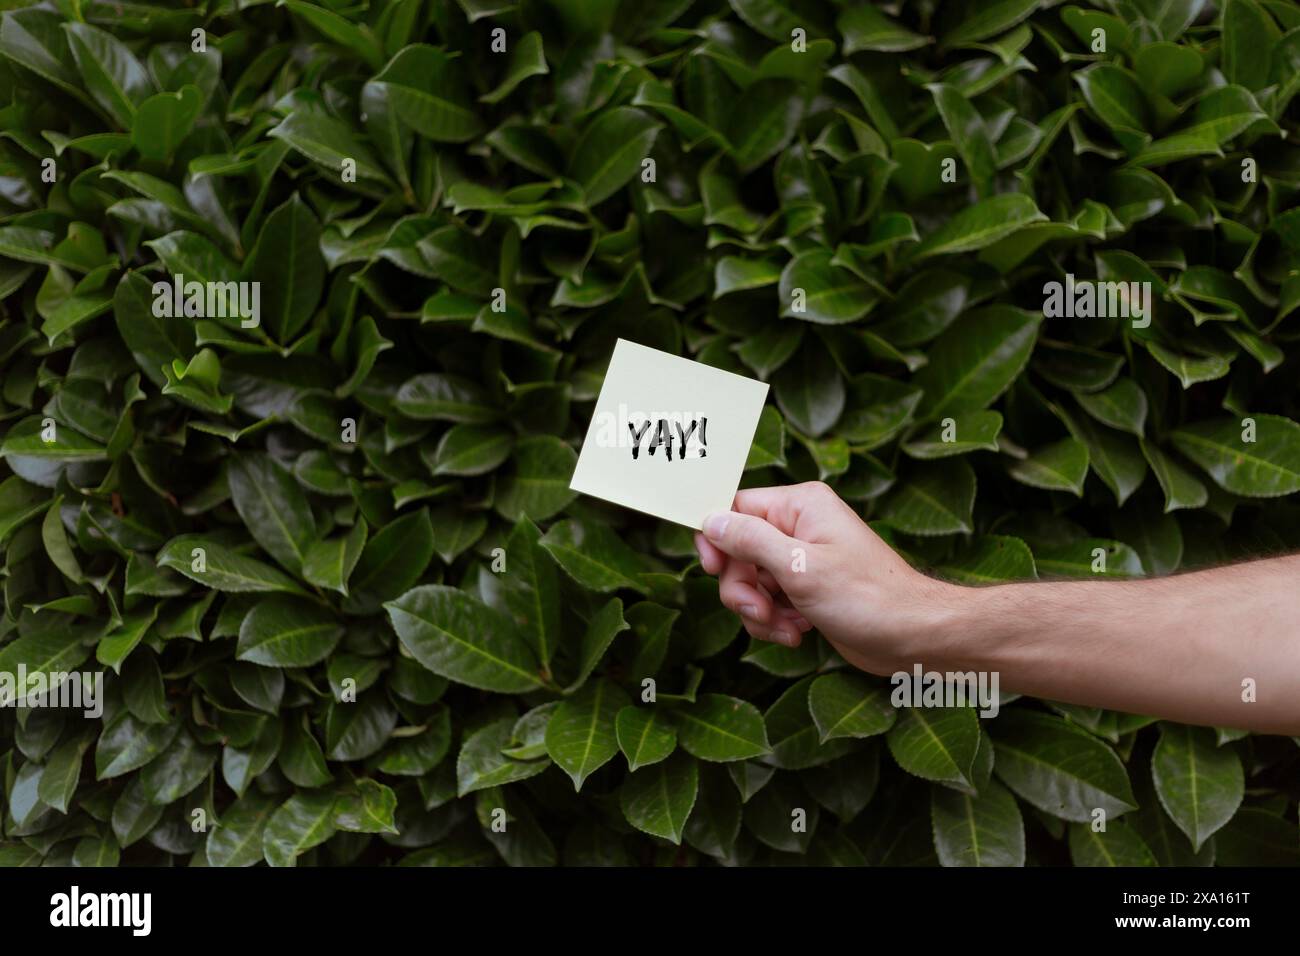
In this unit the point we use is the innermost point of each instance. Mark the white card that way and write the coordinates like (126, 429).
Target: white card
(669, 436)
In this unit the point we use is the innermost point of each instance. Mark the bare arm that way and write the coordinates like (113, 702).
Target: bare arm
(1218, 647)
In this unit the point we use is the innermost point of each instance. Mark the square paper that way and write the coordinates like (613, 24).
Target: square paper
(652, 407)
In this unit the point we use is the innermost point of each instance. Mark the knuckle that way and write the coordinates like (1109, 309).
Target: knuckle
(742, 534)
(816, 491)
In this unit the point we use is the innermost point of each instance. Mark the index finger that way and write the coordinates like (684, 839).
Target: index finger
(783, 507)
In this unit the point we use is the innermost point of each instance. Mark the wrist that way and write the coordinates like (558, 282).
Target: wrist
(977, 629)
(937, 626)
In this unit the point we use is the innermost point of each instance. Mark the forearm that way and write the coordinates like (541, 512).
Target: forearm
(1181, 647)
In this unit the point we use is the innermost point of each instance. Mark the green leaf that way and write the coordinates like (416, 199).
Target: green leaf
(134, 815)
(62, 773)
(121, 641)
(357, 730)
(1117, 845)
(444, 397)
(1115, 97)
(287, 262)
(526, 59)
(273, 507)
(19, 503)
(658, 799)
(32, 38)
(1117, 459)
(180, 768)
(55, 539)
(1167, 68)
(936, 499)
(1265, 467)
(1123, 405)
(1060, 466)
(220, 568)
(164, 120)
(988, 19)
(1085, 557)
(427, 89)
(721, 729)
(773, 810)
(984, 830)
(603, 626)
(848, 705)
(763, 121)
(815, 290)
(1199, 783)
(714, 823)
(1247, 31)
(990, 559)
(331, 143)
(392, 561)
(980, 225)
(967, 130)
(237, 840)
(645, 735)
(48, 652)
(580, 735)
(975, 361)
(112, 75)
(329, 563)
(532, 590)
(471, 450)
(464, 640)
(537, 486)
(38, 437)
(303, 821)
(937, 743)
(1181, 488)
(358, 39)
(154, 341)
(482, 764)
(1189, 369)
(594, 556)
(740, 274)
(810, 390)
(127, 744)
(866, 28)
(1058, 768)
(610, 151)
(96, 851)
(369, 810)
(971, 431)
(288, 632)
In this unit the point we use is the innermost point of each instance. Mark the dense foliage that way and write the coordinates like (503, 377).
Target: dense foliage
(346, 606)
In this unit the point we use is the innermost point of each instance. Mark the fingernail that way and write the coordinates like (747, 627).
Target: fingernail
(748, 610)
(715, 525)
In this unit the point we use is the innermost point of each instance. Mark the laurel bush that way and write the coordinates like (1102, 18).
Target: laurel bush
(322, 547)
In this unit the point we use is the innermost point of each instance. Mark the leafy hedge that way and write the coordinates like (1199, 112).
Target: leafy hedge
(347, 608)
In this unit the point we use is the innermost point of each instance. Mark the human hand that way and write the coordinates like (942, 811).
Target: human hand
(789, 559)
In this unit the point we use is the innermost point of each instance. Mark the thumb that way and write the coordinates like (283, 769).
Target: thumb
(750, 538)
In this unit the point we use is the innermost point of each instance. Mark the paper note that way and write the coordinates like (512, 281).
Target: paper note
(669, 436)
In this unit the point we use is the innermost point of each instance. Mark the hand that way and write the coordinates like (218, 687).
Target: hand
(789, 559)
